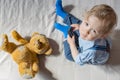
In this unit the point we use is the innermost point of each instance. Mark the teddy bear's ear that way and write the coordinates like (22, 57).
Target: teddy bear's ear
(35, 33)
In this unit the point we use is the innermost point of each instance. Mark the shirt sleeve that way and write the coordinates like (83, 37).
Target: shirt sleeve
(85, 57)
(92, 57)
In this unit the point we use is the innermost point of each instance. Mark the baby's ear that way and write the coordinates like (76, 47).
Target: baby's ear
(35, 33)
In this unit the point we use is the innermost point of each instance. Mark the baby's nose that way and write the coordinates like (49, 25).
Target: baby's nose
(87, 31)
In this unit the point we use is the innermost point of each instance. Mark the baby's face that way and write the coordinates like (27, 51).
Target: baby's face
(91, 28)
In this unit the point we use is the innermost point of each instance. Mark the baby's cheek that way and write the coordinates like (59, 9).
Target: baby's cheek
(91, 38)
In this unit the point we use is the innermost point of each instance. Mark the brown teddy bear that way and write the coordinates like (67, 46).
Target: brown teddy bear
(25, 54)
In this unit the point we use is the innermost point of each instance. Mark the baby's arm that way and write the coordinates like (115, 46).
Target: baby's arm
(73, 48)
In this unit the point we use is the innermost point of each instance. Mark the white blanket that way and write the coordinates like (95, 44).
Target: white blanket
(28, 16)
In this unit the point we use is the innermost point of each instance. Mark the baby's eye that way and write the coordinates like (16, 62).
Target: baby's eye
(94, 31)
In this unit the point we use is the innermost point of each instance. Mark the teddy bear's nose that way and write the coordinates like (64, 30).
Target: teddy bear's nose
(39, 44)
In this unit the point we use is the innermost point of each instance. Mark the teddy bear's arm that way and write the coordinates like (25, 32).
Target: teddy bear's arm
(6, 45)
(18, 38)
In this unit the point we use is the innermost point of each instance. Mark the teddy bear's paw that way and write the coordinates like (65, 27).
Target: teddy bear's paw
(18, 38)
(27, 76)
(25, 70)
(3, 41)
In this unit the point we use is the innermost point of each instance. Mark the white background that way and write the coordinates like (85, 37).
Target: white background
(28, 16)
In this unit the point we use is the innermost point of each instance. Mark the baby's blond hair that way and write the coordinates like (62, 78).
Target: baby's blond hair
(104, 13)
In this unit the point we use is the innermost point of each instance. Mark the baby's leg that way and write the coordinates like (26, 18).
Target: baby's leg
(70, 19)
(59, 9)
(62, 28)
(67, 51)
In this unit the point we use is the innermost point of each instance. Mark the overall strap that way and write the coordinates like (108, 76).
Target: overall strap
(99, 47)
(103, 48)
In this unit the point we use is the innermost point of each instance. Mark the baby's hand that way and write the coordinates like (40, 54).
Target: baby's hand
(71, 40)
(75, 26)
